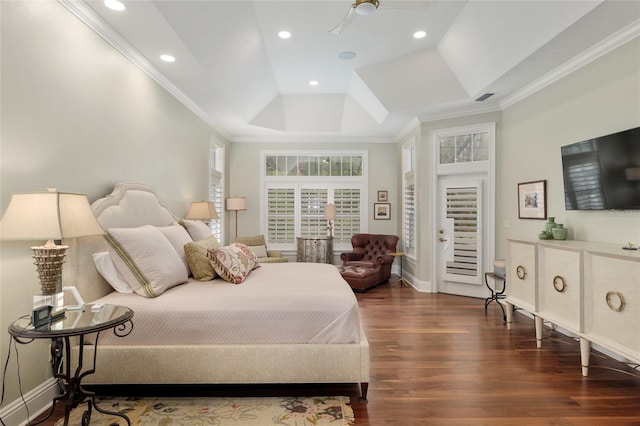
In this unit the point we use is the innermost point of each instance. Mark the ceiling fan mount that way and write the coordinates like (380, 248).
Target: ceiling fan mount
(365, 7)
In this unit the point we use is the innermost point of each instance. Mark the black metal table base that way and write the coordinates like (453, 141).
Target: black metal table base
(75, 394)
(495, 295)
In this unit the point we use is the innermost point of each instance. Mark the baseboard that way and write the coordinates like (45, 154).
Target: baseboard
(421, 286)
(38, 400)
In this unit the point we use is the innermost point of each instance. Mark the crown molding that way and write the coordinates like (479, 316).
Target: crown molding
(459, 112)
(305, 138)
(607, 45)
(91, 19)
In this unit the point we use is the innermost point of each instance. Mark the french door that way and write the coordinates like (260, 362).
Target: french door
(460, 236)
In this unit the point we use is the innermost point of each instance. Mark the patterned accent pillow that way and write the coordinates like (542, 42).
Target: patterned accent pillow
(198, 260)
(233, 263)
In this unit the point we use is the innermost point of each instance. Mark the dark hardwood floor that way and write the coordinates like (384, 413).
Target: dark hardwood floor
(440, 360)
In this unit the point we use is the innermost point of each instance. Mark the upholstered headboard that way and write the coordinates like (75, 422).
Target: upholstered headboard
(129, 205)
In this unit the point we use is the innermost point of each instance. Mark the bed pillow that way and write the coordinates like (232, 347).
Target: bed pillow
(197, 229)
(108, 270)
(233, 263)
(178, 237)
(145, 259)
(199, 263)
(259, 251)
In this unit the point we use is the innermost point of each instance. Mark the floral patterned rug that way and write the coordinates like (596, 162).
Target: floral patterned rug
(293, 411)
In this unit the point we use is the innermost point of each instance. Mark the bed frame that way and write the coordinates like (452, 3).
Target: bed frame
(132, 205)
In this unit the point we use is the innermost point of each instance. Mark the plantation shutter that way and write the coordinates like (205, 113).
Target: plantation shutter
(281, 215)
(347, 223)
(312, 221)
(463, 207)
(409, 221)
(215, 195)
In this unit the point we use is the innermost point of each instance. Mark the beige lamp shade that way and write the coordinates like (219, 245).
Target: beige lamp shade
(236, 203)
(330, 211)
(48, 216)
(202, 210)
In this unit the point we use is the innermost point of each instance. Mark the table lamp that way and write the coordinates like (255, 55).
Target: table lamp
(330, 215)
(236, 204)
(48, 216)
(202, 210)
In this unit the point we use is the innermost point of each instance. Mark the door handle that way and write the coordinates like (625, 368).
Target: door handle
(442, 240)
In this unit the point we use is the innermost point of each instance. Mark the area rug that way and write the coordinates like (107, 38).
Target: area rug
(293, 411)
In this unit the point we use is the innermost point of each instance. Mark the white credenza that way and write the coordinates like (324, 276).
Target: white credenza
(315, 249)
(589, 289)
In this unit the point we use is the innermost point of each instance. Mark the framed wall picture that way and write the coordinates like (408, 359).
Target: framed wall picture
(383, 196)
(532, 200)
(382, 211)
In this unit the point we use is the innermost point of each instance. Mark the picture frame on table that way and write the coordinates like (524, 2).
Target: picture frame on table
(532, 200)
(383, 196)
(382, 211)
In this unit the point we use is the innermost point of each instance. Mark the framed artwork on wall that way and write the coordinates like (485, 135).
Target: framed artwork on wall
(383, 196)
(382, 211)
(532, 200)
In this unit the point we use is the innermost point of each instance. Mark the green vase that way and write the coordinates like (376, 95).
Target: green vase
(559, 232)
(549, 225)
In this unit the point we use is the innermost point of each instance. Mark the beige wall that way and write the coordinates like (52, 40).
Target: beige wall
(600, 98)
(78, 116)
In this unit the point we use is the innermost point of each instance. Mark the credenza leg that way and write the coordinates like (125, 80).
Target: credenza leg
(539, 324)
(585, 352)
(509, 309)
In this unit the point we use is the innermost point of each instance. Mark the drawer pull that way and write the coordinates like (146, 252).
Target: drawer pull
(615, 301)
(559, 284)
(521, 272)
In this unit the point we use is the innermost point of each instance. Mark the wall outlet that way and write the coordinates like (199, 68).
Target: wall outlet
(506, 224)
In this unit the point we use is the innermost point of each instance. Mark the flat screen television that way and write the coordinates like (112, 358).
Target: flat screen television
(603, 173)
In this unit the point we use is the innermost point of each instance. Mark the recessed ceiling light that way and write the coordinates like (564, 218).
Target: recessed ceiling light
(420, 34)
(114, 5)
(167, 58)
(313, 83)
(346, 55)
(284, 34)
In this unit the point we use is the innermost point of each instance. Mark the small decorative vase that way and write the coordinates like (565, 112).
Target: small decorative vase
(559, 232)
(549, 225)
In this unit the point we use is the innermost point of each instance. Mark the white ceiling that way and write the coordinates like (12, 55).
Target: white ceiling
(233, 70)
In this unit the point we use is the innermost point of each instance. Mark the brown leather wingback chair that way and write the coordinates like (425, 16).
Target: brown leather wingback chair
(369, 264)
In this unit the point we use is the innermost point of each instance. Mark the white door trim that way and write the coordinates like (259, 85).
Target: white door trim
(488, 168)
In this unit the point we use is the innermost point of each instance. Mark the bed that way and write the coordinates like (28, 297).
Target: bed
(218, 332)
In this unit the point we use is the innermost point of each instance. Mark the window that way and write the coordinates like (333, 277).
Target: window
(464, 148)
(216, 185)
(297, 186)
(409, 199)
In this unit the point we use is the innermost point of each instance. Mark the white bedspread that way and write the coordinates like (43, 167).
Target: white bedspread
(277, 303)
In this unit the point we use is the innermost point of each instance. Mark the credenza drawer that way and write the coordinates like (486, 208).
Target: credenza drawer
(521, 274)
(560, 285)
(613, 316)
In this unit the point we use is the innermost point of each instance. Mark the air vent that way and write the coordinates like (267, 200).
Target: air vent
(484, 97)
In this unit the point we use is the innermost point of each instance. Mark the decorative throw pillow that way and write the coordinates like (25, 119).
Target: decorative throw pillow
(233, 263)
(178, 237)
(145, 259)
(197, 229)
(108, 270)
(259, 251)
(199, 263)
